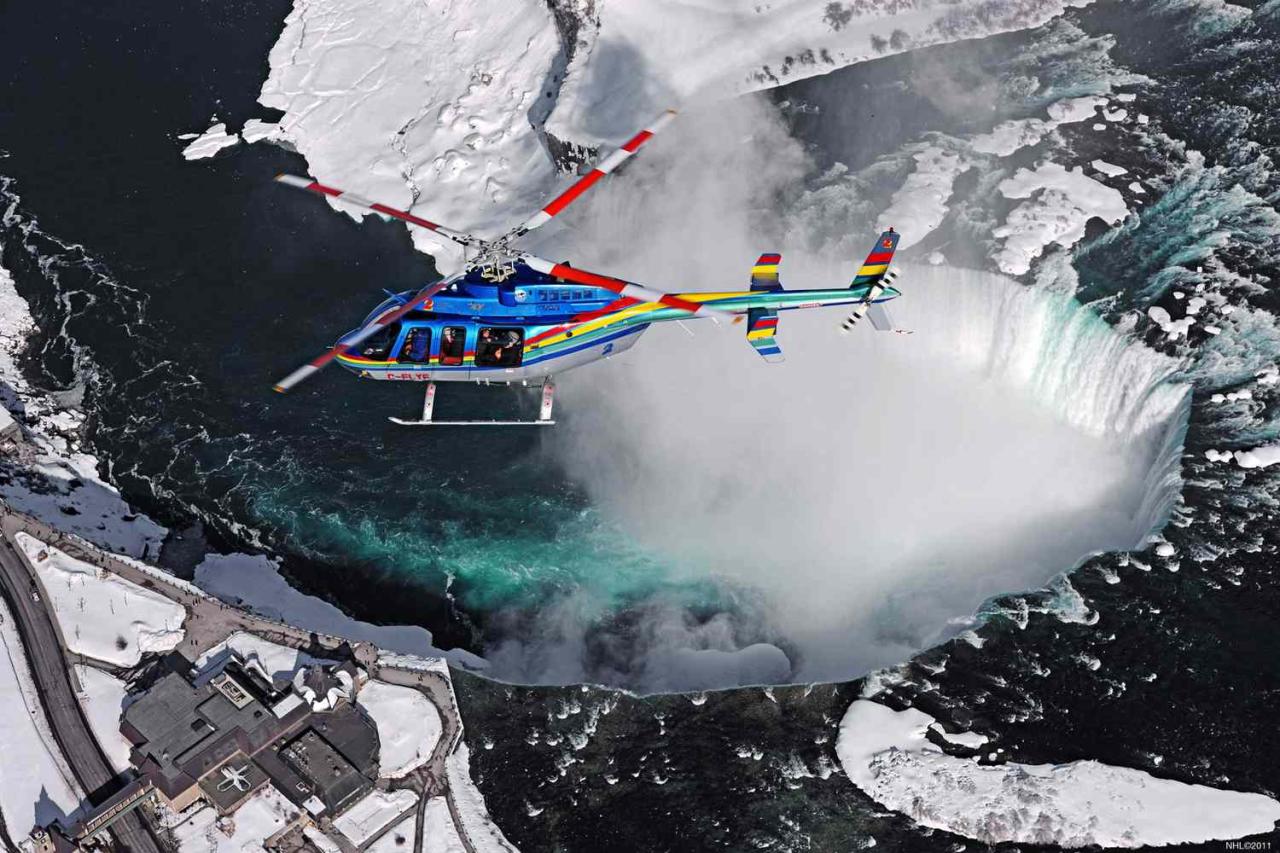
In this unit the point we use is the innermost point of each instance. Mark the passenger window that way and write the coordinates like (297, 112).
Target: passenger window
(417, 346)
(453, 344)
(499, 347)
(378, 346)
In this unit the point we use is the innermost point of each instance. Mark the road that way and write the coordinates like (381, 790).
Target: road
(49, 670)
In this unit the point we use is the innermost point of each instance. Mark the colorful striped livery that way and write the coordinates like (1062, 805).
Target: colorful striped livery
(877, 262)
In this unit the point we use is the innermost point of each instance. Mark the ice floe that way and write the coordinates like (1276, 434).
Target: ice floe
(886, 753)
(1059, 203)
(210, 142)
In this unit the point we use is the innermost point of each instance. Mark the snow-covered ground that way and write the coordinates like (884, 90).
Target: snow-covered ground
(439, 835)
(36, 786)
(372, 812)
(101, 615)
(255, 582)
(397, 839)
(275, 660)
(103, 700)
(408, 725)
(210, 142)
(886, 754)
(484, 834)
(69, 493)
(262, 815)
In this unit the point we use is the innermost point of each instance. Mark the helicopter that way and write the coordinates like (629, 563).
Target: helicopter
(510, 316)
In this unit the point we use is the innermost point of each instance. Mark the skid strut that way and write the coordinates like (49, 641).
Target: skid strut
(429, 403)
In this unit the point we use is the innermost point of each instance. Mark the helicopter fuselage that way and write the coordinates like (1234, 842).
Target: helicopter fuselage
(531, 326)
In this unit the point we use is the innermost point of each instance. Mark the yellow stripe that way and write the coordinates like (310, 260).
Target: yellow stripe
(873, 269)
(765, 269)
(760, 333)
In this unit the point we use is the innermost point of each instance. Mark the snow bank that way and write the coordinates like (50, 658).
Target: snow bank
(439, 835)
(103, 700)
(101, 615)
(44, 789)
(408, 725)
(484, 834)
(210, 142)
(886, 754)
(262, 815)
(372, 813)
(69, 494)
(254, 581)
(1060, 202)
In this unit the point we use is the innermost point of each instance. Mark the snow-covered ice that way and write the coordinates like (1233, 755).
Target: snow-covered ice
(210, 142)
(408, 725)
(886, 754)
(920, 204)
(1059, 203)
(1109, 169)
(1259, 457)
(101, 615)
(103, 700)
(372, 812)
(261, 816)
(484, 834)
(439, 108)
(45, 788)
(254, 581)
(71, 497)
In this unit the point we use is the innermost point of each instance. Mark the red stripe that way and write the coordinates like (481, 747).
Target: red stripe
(768, 323)
(878, 258)
(677, 302)
(316, 186)
(400, 214)
(567, 197)
(636, 141)
(769, 259)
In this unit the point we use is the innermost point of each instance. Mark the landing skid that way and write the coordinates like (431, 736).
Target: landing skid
(429, 402)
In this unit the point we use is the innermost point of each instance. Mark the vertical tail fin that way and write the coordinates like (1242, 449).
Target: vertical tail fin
(877, 262)
(764, 275)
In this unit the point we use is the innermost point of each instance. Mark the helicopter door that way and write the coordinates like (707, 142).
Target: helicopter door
(453, 346)
(417, 346)
(499, 347)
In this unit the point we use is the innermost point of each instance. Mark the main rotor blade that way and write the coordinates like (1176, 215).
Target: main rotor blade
(604, 167)
(624, 288)
(348, 343)
(459, 237)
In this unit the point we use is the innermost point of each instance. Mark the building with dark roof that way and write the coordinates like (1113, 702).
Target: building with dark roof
(222, 737)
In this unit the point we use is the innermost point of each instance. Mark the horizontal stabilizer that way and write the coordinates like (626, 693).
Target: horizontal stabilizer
(764, 275)
(879, 316)
(762, 326)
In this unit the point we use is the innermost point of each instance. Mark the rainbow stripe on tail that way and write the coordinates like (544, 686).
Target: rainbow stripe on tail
(877, 262)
